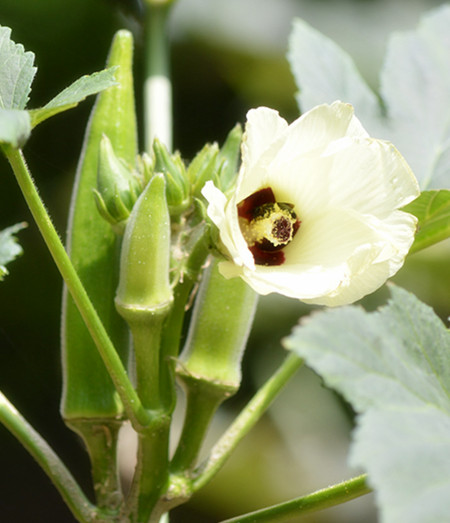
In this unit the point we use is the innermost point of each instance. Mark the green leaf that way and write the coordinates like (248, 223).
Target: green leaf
(432, 208)
(414, 110)
(325, 73)
(9, 248)
(16, 72)
(393, 366)
(15, 127)
(74, 94)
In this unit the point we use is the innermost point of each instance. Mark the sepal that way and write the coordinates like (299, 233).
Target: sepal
(177, 183)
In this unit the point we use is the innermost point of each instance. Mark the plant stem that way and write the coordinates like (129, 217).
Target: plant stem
(52, 465)
(170, 343)
(246, 420)
(150, 476)
(325, 498)
(134, 408)
(202, 401)
(100, 438)
(157, 86)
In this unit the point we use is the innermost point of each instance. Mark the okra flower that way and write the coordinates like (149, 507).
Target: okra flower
(315, 212)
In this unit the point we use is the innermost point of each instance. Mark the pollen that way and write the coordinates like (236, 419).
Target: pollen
(267, 226)
(273, 224)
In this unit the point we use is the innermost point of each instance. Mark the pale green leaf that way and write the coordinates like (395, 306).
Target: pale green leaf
(16, 72)
(393, 366)
(415, 86)
(74, 94)
(325, 73)
(414, 108)
(432, 209)
(9, 247)
(15, 127)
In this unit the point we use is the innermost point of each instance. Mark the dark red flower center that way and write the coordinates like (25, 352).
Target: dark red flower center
(267, 226)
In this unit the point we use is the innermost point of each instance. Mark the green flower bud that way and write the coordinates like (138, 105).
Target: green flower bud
(203, 168)
(145, 167)
(118, 187)
(228, 159)
(178, 187)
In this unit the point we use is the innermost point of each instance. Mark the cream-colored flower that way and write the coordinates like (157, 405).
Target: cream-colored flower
(314, 215)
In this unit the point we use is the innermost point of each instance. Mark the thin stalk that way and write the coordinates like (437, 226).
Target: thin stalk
(146, 342)
(151, 474)
(322, 499)
(134, 408)
(170, 343)
(100, 438)
(157, 86)
(202, 401)
(51, 464)
(246, 420)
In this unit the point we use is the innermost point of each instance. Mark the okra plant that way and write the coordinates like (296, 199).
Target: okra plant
(164, 260)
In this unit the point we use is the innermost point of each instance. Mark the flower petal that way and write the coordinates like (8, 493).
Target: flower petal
(316, 129)
(224, 216)
(370, 176)
(264, 126)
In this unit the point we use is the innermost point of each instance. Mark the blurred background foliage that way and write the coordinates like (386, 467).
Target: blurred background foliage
(228, 56)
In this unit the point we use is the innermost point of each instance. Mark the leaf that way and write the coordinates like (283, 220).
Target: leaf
(9, 248)
(414, 111)
(393, 366)
(432, 208)
(16, 72)
(15, 127)
(324, 73)
(74, 94)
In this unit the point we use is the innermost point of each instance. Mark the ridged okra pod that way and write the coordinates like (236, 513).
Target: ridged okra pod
(90, 404)
(210, 364)
(144, 299)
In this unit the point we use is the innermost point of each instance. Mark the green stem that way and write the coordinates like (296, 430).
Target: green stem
(170, 343)
(146, 343)
(151, 474)
(100, 438)
(246, 420)
(157, 86)
(322, 499)
(201, 405)
(135, 411)
(52, 465)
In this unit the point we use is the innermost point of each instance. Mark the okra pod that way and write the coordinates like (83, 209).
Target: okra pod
(90, 404)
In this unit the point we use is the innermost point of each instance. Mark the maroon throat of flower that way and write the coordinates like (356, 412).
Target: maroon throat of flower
(267, 226)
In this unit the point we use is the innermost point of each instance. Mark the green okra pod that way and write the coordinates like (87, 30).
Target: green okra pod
(90, 404)
(144, 295)
(210, 364)
(144, 299)
(220, 325)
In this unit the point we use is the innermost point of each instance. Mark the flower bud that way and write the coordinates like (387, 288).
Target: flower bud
(228, 159)
(145, 167)
(177, 183)
(203, 168)
(117, 185)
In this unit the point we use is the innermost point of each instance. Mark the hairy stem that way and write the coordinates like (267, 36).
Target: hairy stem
(325, 498)
(52, 465)
(246, 420)
(136, 412)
